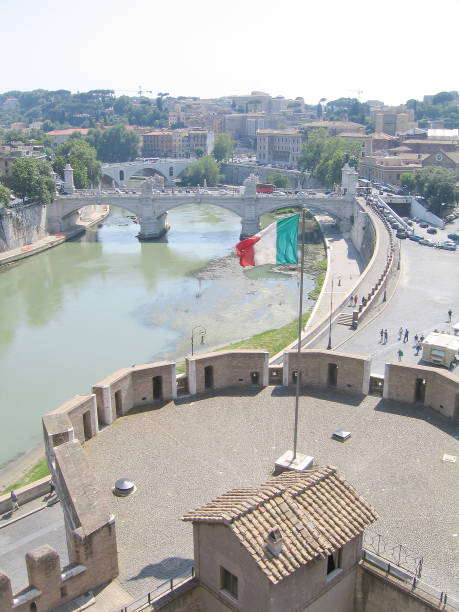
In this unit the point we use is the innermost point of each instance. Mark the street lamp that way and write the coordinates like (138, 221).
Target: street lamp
(197, 329)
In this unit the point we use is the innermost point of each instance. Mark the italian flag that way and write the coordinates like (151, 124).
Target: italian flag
(276, 244)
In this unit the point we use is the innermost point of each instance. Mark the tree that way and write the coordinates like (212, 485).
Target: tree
(78, 148)
(325, 156)
(115, 144)
(31, 178)
(80, 172)
(278, 179)
(223, 147)
(407, 181)
(204, 168)
(438, 186)
(4, 195)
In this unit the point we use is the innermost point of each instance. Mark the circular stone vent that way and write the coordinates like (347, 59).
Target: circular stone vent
(124, 487)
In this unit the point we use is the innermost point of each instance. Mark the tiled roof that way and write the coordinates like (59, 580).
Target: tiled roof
(316, 511)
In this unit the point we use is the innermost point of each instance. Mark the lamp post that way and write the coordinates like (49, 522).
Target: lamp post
(199, 329)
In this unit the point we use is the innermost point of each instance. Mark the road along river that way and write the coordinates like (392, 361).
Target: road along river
(75, 313)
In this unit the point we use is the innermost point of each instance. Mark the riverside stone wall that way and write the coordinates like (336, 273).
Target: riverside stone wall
(22, 225)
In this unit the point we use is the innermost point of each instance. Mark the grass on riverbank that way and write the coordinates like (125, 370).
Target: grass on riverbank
(39, 470)
(273, 340)
(314, 294)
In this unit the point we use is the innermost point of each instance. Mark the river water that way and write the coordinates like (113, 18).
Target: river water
(73, 314)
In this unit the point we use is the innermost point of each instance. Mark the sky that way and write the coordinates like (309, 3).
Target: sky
(391, 50)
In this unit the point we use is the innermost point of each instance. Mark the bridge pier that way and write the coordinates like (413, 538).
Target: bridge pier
(153, 227)
(249, 227)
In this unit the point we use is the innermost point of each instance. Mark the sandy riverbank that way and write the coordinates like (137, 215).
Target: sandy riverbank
(18, 467)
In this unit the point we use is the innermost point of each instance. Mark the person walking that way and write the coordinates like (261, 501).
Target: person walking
(356, 299)
(400, 333)
(416, 339)
(450, 314)
(14, 501)
(385, 336)
(421, 338)
(351, 301)
(405, 338)
(400, 354)
(381, 333)
(418, 348)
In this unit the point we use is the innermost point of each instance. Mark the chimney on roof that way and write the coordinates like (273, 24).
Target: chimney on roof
(274, 542)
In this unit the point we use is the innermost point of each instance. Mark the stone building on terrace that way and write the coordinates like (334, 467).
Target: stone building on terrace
(288, 544)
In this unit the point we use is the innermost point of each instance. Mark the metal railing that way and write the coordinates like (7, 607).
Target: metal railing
(164, 588)
(395, 554)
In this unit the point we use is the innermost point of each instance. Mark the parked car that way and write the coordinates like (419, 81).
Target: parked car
(401, 234)
(415, 238)
(454, 237)
(431, 230)
(423, 224)
(427, 242)
(448, 246)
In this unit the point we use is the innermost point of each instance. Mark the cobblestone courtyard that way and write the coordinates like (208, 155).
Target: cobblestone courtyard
(187, 452)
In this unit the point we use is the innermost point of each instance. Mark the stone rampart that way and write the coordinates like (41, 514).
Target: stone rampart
(427, 385)
(90, 528)
(349, 373)
(240, 368)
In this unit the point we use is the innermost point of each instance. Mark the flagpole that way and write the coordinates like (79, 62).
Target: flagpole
(300, 326)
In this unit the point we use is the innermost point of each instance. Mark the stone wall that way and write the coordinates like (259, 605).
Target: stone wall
(328, 368)
(235, 174)
(363, 235)
(227, 369)
(376, 592)
(22, 225)
(430, 386)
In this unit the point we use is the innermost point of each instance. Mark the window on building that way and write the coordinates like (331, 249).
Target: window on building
(228, 582)
(334, 561)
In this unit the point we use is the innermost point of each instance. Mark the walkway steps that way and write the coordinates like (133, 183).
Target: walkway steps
(345, 319)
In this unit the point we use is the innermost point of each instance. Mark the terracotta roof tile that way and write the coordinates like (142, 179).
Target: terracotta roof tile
(316, 511)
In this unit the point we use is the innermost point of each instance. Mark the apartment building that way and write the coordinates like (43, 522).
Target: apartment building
(177, 143)
(15, 150)
(279, 146)
(392, 120)
(60, 136)
(388, 169)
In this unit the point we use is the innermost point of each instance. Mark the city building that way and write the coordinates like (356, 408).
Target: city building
(392, 120)
(365, 141)
(279, 146)
(444, 159)
(246, 125)
(388, 169)
(177, 143)
(335, 128)
(8, 153)
(60, 136)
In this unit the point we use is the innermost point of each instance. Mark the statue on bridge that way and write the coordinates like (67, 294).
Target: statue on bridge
(250, 186)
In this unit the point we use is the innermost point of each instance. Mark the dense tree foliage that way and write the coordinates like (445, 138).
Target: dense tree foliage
(115, 144)
(438, 186)
(78, 149)
(223, 147)
(61, 108)
(347, 109)
(442, 107)
(325, 156)
(278, 179)
(4, 195)
(204, 168)
(31, 178)
(407, 181)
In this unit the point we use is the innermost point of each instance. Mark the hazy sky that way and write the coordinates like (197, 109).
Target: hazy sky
(391, 49)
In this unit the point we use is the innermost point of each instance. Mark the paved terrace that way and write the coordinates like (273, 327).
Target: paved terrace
(189, 451)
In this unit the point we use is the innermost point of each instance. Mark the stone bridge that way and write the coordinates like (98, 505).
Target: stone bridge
(151, 203)
(170, 169)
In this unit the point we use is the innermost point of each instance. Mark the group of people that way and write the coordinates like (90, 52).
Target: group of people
(14, 497)
(403, 334)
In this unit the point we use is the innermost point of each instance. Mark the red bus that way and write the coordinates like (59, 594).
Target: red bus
(265, 187)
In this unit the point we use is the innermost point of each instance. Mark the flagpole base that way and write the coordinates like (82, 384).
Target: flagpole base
(299, 464)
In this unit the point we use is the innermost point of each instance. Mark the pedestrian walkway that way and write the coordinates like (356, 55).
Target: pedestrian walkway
(333, 293)
(35, 505)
